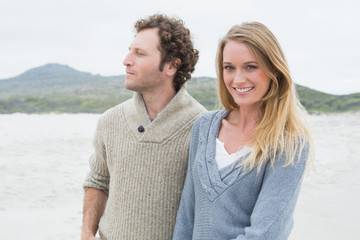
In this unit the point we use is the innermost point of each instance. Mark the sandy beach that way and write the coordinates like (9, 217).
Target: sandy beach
(44, 160)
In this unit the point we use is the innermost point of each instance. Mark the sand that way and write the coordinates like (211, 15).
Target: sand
(44, 160)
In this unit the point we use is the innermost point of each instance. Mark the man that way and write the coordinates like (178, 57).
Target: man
(141, 146)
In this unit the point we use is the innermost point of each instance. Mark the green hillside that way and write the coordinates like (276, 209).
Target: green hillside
(60, 88)
(315, 101)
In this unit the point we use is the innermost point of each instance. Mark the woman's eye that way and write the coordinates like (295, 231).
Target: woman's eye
(228, 67)
(251, 67)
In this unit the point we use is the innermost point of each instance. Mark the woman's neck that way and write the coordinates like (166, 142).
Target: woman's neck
(236, 129)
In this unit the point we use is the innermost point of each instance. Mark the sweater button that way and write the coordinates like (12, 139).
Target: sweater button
(141, 129)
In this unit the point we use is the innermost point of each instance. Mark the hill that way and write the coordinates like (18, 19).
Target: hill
(60, 88)
(315, 101)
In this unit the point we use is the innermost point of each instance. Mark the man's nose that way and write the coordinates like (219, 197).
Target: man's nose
(128, 60)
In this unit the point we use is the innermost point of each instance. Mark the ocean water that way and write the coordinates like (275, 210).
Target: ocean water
(44, 160)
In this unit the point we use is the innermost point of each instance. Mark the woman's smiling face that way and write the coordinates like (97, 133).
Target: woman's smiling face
(245, 80)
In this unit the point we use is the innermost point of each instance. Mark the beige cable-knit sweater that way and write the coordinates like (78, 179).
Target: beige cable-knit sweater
(142, 172)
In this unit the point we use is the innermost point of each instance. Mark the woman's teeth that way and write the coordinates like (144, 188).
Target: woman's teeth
(242, 90)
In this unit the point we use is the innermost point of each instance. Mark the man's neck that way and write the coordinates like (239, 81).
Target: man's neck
(156, 102)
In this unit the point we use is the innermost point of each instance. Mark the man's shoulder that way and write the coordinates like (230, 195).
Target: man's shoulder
(186, 97)
(115, 111)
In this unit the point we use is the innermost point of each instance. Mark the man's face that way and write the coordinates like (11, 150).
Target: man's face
(142, 62)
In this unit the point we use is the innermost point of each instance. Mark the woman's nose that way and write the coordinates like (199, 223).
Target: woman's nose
(239, 77)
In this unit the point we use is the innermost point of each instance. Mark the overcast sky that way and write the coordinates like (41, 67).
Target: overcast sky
(320, 38)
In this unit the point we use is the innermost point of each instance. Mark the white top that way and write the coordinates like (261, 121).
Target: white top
(223, 158)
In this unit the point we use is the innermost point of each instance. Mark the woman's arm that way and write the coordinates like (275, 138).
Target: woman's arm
(272, 216)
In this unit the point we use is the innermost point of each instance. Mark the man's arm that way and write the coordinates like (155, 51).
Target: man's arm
(94, 207)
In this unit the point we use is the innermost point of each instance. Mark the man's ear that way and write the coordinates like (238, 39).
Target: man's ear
(173, 66)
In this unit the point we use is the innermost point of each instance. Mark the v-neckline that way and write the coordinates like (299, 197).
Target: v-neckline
(209, 174)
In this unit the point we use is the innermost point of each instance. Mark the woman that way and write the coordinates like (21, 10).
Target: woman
(246, 163)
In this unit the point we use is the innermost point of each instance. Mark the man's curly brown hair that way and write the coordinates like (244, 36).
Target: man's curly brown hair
(175, 43)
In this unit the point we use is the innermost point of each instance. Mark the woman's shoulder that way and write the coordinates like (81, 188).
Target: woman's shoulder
(211, 115)
(209, 120)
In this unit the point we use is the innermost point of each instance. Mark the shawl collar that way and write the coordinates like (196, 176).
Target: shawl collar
(181, 111)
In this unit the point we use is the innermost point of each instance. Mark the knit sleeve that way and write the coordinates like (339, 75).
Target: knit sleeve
(98, 176)
(272, 216)
(185, 215)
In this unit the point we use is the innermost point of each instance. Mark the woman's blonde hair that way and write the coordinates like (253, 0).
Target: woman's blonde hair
(282, 126)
